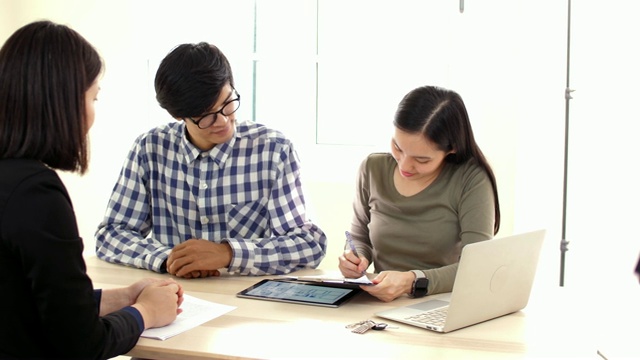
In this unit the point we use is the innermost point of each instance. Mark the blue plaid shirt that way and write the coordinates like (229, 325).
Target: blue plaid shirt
(245, 192)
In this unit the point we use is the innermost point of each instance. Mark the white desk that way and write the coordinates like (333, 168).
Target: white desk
(266, 329)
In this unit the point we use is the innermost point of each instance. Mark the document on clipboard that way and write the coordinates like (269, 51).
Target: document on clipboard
(331, 278)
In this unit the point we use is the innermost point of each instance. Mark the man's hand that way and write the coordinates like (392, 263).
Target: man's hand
(198, 258)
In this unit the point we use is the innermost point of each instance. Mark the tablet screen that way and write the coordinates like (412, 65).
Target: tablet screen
(332, 295)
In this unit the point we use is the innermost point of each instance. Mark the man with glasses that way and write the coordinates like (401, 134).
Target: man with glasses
(206, 192)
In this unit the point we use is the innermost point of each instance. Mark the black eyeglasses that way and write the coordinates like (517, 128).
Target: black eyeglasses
(227, 109)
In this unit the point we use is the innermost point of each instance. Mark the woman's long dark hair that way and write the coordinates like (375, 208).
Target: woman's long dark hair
(441, 116)
(45, 72)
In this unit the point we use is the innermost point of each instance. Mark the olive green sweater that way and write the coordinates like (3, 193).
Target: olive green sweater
(425, 231)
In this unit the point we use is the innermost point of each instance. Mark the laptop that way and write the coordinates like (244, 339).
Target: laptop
(494, 278)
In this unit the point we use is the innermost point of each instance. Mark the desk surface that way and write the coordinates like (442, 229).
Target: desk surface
(259, 329)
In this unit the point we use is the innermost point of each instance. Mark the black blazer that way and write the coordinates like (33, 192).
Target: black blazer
(48, 303)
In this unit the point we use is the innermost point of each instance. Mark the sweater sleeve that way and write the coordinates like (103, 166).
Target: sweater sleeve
(362, 213)
(40, 224)
(475, 205)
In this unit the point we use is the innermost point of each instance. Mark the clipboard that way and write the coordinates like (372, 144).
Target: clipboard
(337, 280)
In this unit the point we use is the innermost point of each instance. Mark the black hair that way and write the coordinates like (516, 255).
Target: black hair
(45, 72)
(441, 116)
(190, 78)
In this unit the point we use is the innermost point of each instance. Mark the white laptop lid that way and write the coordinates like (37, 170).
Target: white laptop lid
(494, 278)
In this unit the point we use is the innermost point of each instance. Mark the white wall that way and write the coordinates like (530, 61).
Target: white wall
(507, 60)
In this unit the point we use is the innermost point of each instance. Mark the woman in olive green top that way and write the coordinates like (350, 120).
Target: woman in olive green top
(416, 207)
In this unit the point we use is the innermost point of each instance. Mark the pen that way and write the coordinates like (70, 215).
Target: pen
(351, 244)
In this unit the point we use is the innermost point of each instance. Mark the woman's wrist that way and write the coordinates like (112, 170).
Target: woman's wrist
(408, 283)
(132, 293)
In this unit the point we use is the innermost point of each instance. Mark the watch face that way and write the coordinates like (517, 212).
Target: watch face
(420, 287)
(422, 283)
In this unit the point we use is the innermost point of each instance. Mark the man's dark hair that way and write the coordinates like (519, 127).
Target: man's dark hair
(190, 78)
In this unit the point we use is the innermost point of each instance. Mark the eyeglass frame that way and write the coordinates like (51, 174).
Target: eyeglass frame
(215, 113)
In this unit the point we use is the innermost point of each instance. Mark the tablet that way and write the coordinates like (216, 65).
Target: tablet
(320, 294)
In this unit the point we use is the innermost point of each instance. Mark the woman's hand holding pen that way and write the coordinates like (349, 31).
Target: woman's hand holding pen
(351, 265)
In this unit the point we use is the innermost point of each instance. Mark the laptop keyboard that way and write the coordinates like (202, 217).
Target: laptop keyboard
(432, 317)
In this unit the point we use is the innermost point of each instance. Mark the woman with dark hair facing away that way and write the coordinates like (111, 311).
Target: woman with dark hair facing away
(418, 206)
(49, 75)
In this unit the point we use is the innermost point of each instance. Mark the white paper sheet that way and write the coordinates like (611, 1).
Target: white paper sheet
(195, 312)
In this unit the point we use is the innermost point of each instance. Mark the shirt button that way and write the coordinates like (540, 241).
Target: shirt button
(203, 185)
(204, 220)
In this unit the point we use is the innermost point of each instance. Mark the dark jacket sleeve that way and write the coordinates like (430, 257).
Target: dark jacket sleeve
(58, 314)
